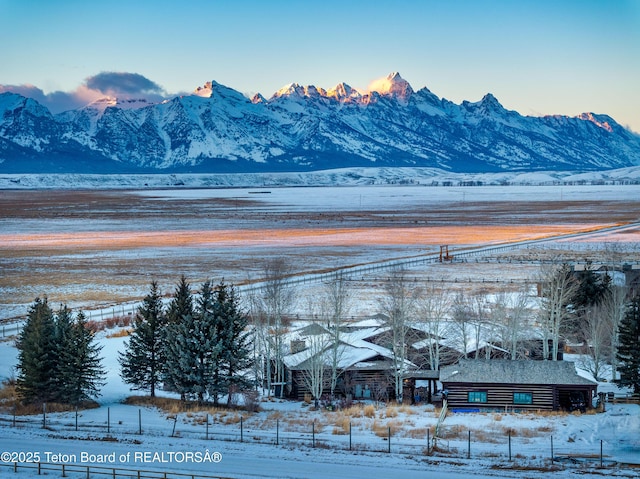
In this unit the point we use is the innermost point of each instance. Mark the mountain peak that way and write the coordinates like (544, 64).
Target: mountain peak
(602, 121)
(206, 90)
(304, 128)
(488, 105)
(342, 92)
(393, 85)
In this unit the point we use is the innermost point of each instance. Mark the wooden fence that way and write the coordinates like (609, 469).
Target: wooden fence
(90, 472)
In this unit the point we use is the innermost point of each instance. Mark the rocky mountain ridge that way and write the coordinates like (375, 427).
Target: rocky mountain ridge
(304, 128)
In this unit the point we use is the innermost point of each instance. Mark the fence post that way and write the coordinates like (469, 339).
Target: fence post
(428, 441)
(175, 421)
(509, 444)
(389, 440)
(469, 446)
(551, 449)
(600, 452)
(14, 415)
(87, 472)
(76, 418)
(63, 471)
(241, 430)
(44, 415)
(350, 435)
(140, 421)
(313, 433)
(108, 420)
(277, 432)
(207, 434)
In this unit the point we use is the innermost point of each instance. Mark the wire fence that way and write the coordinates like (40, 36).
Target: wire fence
(385, 437)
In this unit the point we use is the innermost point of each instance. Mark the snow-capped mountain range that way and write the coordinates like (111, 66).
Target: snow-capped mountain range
(304, 128)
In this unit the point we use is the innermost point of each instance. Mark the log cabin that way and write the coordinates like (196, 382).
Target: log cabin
(520, 385)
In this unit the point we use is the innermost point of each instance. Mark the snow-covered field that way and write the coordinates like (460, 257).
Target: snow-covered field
(101, 248)
(278, 442)
(93, 249)
(336, 177)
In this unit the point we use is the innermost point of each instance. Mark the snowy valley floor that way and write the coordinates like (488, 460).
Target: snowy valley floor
(95, 249)
(289, 440)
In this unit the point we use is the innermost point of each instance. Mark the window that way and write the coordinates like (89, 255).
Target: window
(522, 398)
(477, 396)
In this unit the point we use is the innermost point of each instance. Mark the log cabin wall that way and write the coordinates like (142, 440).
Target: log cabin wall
(500, 397)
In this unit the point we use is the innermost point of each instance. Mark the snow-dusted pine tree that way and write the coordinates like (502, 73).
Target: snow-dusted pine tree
(143, 359)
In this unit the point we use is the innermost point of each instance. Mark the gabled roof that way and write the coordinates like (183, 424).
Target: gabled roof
(354, 349)
(504, 371)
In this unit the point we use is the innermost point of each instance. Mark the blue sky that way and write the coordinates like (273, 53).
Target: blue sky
(537, 57)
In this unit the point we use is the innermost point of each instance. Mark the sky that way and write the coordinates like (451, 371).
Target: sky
(538, 57)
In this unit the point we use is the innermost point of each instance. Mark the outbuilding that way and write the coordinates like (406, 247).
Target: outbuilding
(516, 385)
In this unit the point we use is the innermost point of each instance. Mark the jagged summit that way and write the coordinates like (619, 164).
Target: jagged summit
(343, 92)
(393, 85)
(219, 129)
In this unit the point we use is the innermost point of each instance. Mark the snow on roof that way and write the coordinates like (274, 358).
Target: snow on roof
(501, 371)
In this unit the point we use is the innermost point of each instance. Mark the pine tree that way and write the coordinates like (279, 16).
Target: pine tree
(178, 338)
(62, 351)
(80, 364)
(629, 347)
(235, 358)
(142, 361)
(193, 349)
(37, 355)
(182, 302)
(206, 338)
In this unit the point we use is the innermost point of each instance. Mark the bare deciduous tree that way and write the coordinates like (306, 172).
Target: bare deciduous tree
(272, 304)
(511, 312)
(558, 287)
(336, 305)
(314, 367)
(596, 336)
(433, 308)
(398, 305)
(469, 318)
(613, 307)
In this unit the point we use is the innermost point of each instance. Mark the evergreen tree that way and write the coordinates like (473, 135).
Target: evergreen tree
(80, 364)
(193, 349)
(143, 359)
(182, 302)
(235, 358)
(629, 347)
(206, 338)
(178, 339)
(62, 351)
(592, 289)
(37, 355)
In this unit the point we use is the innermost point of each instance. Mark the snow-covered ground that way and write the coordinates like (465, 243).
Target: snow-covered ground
(294, 457)
(217, 450)
(337, 177)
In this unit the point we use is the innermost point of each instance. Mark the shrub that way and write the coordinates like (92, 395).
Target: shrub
(369, 411)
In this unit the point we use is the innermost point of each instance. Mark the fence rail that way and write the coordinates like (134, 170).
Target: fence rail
(89, 472)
